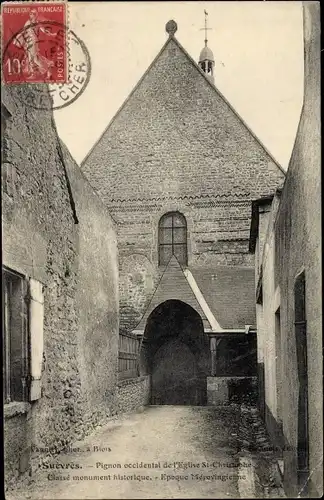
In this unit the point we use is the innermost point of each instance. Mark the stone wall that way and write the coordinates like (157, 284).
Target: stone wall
(179, 138)
(226, 390)
(16, 454)
(40, 240)
(133, 393)
(71, 250)
(177, 145)
(218, 237)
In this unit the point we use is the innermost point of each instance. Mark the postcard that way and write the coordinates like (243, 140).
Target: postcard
(161, 220)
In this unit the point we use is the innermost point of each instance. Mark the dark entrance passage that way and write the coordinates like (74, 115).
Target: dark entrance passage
(175, 352)
(174, 375)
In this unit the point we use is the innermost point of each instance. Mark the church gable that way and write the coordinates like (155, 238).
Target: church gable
(177, 134)
(175, 285)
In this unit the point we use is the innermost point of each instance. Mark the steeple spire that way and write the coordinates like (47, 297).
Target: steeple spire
(206, 58)
(206, 40)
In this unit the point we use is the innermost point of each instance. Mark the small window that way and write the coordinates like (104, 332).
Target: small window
(15, 341)
(172, 238)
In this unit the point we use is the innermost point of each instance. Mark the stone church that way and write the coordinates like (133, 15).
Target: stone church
(178, 169)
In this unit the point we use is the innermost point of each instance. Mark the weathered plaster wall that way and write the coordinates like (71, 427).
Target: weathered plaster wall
(298, 233)
(40, 237)
(264, 216)
(293, 245)
(96, 297)
(77, 264)
(269, 343)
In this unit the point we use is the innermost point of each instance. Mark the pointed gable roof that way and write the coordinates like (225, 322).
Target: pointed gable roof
(173, 40)
(212, 292)
(175, 285)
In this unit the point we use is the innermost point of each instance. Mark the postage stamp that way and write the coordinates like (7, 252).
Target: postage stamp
(34, 42)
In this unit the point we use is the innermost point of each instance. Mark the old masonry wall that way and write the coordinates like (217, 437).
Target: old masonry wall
(70, 248)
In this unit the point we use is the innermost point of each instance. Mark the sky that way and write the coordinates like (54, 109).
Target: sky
(258, 49)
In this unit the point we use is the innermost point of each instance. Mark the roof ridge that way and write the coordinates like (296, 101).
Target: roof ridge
(229, 104)
(126, 100)
(203, 74)
(170, 265)
(152, 296)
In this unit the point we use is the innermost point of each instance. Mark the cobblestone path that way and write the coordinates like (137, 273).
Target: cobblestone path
(165, 452)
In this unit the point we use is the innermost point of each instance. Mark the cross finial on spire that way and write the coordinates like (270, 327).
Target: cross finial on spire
(206, 28)
(206, 14)
(206, 58)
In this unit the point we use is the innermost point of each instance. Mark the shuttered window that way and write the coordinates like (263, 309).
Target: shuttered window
(15, 337)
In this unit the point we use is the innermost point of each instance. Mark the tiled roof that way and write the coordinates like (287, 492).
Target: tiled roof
(173, 285)
(229, 292)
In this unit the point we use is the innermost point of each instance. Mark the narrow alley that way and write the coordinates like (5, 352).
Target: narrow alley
(165, 452)
(162, 296)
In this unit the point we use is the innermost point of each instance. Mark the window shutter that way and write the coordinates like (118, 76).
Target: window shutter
(36, 322)
(24, 339)
(6, 341)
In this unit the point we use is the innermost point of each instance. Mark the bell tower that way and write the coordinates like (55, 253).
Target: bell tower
(206, 58)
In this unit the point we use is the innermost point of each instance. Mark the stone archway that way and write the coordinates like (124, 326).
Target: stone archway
(175, 352)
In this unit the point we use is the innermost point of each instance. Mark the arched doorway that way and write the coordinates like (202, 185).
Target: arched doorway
(175, 352)
(174, 375)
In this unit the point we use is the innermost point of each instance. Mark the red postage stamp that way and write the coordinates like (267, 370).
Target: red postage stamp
(34, 42)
